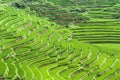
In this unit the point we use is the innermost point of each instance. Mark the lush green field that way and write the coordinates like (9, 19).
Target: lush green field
(78, 12)
(36, 48)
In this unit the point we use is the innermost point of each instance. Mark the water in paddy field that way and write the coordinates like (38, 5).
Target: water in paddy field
(59, 40)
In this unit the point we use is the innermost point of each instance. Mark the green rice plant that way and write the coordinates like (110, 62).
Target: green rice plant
(33, 48)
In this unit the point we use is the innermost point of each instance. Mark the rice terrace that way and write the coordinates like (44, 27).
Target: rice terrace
(59, 39)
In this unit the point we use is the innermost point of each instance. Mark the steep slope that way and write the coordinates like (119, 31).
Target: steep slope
(33, 48)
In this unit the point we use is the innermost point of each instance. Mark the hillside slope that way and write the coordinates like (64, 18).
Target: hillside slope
(33, 48)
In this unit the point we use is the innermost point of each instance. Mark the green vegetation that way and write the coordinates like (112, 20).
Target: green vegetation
(59, 40)
(78, 12)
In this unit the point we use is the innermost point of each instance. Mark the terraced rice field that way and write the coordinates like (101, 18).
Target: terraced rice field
(97, 34)
(33, 48)
(102, 28)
